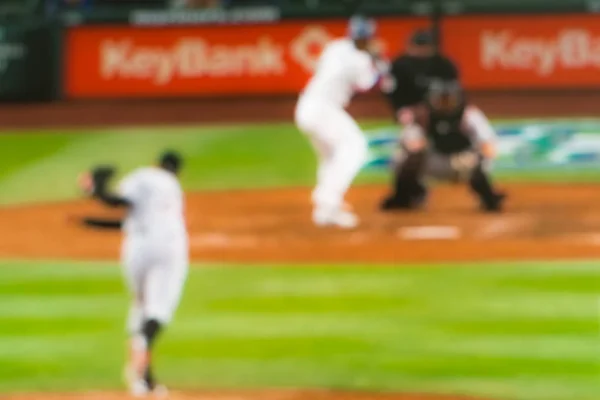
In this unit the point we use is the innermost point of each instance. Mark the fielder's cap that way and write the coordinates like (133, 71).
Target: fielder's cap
(171, 159)
(360, 27)
(422, 37)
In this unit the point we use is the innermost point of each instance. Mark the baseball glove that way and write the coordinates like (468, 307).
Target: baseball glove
(464, 163)
(102, 173)
(93, 181)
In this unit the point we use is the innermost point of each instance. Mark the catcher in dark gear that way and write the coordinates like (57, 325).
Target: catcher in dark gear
(448, 140)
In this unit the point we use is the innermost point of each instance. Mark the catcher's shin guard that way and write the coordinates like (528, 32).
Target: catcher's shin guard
(480, 183)
(408, 192)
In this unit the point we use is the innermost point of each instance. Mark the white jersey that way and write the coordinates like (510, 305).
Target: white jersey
(157, 213)
(341, 71)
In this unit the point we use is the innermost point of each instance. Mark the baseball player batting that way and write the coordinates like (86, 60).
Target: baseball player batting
(446, 139)
(344, 67)
(154, 254)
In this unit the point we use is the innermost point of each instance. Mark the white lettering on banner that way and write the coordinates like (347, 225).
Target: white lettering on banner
(308, 45)
(570, 49)
(189, 58)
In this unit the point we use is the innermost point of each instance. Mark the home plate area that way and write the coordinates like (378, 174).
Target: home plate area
(430, 232)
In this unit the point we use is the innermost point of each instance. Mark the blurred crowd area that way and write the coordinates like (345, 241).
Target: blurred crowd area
(30, 6)
(375, 7)
(492, 5)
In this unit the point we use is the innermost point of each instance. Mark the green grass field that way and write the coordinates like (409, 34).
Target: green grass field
(43, 166)
(521, 331)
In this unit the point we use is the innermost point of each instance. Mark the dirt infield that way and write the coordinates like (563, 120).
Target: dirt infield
(541, 222)
(248, 395)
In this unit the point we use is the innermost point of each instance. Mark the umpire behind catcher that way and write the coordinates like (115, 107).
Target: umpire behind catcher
(409, 75)
(444, 137)
(448, 139)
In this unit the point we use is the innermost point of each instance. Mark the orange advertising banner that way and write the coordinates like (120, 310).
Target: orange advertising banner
(525, 52)
(493, 53)
(104, 62)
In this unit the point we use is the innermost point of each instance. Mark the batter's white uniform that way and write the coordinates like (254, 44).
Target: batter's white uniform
(320, 113)
(155, 252)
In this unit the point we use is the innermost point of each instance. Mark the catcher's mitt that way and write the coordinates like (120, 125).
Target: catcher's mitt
(464, 163)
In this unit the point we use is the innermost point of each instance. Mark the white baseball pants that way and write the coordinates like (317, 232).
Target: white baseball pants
(155, 273)
(340, 145)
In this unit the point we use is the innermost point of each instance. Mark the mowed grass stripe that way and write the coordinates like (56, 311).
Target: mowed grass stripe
(358, 327)
(519, 388)
(44, 307)
(216, 157)
(71, 346)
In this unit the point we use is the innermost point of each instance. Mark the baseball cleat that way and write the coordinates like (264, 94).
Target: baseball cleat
(407, 200)
(394, 202)
(139, 388)
(135, 384)
(133, 375)
(496, 204)
(160, 392)
(337, 217)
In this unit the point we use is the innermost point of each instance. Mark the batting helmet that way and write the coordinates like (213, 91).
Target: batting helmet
(361, 28)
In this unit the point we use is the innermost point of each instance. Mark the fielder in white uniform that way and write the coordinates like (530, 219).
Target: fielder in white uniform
(344, 67)
(154, 254)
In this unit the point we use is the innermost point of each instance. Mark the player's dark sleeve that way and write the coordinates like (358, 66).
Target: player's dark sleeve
(101, 223)
(101, 176)
(454, 72)
(404, 91)
(111, 199)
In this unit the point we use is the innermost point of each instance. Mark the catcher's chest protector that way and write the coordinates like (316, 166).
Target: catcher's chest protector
(447, 133)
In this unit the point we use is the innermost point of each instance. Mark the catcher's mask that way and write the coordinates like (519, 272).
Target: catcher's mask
(445, 96)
